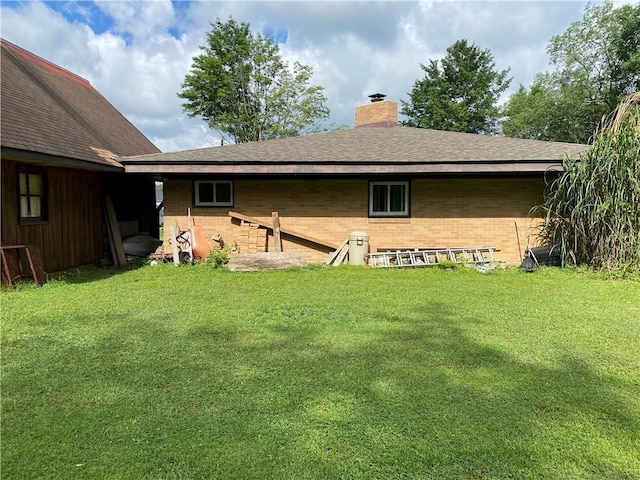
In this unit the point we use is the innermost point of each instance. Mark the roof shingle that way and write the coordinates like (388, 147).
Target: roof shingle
(381, 150)
(49, 110)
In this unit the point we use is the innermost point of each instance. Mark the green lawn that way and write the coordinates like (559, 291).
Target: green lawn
(324, 373)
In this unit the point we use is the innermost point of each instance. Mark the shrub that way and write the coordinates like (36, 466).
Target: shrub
(219, 258)
(593, 208)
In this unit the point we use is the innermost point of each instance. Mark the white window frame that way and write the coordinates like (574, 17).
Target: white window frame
(388, 212)
(196, 187)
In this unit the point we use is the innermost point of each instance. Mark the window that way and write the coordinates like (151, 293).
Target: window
(32, 192)
(389, 199)
(210, 193)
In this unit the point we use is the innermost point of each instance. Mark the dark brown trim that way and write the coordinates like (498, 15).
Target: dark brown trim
(337, 169)
(44, 159)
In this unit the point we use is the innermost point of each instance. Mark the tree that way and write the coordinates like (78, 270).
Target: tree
(597, 63)
(241, 87)
(547, 113)
(460, 94)
(593, 208)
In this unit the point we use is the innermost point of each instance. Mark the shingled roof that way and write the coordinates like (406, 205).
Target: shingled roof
(52, 115)
(368, 150)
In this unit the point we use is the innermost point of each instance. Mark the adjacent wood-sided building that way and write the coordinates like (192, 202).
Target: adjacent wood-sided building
(404, 187)
(61, 140)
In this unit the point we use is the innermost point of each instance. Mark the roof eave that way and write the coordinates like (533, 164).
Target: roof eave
(57, 161)
(517, 167)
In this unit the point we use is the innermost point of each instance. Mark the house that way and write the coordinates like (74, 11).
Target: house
(404, 187)
(61, 140)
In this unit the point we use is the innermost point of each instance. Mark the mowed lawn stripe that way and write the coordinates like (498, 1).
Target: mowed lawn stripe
(163, 372)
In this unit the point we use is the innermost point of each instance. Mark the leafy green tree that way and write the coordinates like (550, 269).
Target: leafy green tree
(546, 113)
(241, 87)
(458, 94)
(626, 47)
(597, 63)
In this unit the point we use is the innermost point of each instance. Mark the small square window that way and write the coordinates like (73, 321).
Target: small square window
(210, 193)
(389, 199)
(32, 196)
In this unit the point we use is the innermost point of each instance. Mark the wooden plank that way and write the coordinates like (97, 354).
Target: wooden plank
(112, 247)
(333, 255)
(12, 263)
(174, 246)
(266, 261)
(289, 232)
(341, 256)
(276, 231)
(114, 230)
(11, 270)
(190, 232)
(35, 264)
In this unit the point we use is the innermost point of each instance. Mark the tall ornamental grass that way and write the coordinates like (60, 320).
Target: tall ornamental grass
(593, 208)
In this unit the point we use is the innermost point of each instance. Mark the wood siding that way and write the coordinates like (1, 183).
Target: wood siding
(73, 234)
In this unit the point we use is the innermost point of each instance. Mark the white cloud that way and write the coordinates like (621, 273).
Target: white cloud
(137, 53)
(37, 28)
(141, 19)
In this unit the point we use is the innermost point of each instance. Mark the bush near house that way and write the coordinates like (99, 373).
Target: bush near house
(593, 209)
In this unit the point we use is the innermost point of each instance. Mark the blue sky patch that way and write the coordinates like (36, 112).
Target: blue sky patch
(83, 12)
(279, 35)
(180, 6)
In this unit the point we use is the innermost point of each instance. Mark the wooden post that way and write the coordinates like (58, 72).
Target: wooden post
(191, 244)
(174, 246)
(276, 231)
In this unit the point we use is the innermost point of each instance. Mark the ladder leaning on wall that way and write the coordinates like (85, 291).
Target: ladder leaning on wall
(432, 257)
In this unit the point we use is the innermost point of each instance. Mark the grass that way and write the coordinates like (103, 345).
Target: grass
(322, 373)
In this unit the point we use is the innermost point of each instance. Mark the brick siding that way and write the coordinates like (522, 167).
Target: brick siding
(444, 212)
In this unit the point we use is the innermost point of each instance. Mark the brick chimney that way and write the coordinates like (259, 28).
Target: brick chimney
(378, 113)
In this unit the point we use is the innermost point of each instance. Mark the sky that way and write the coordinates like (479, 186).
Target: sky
(137, 53)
